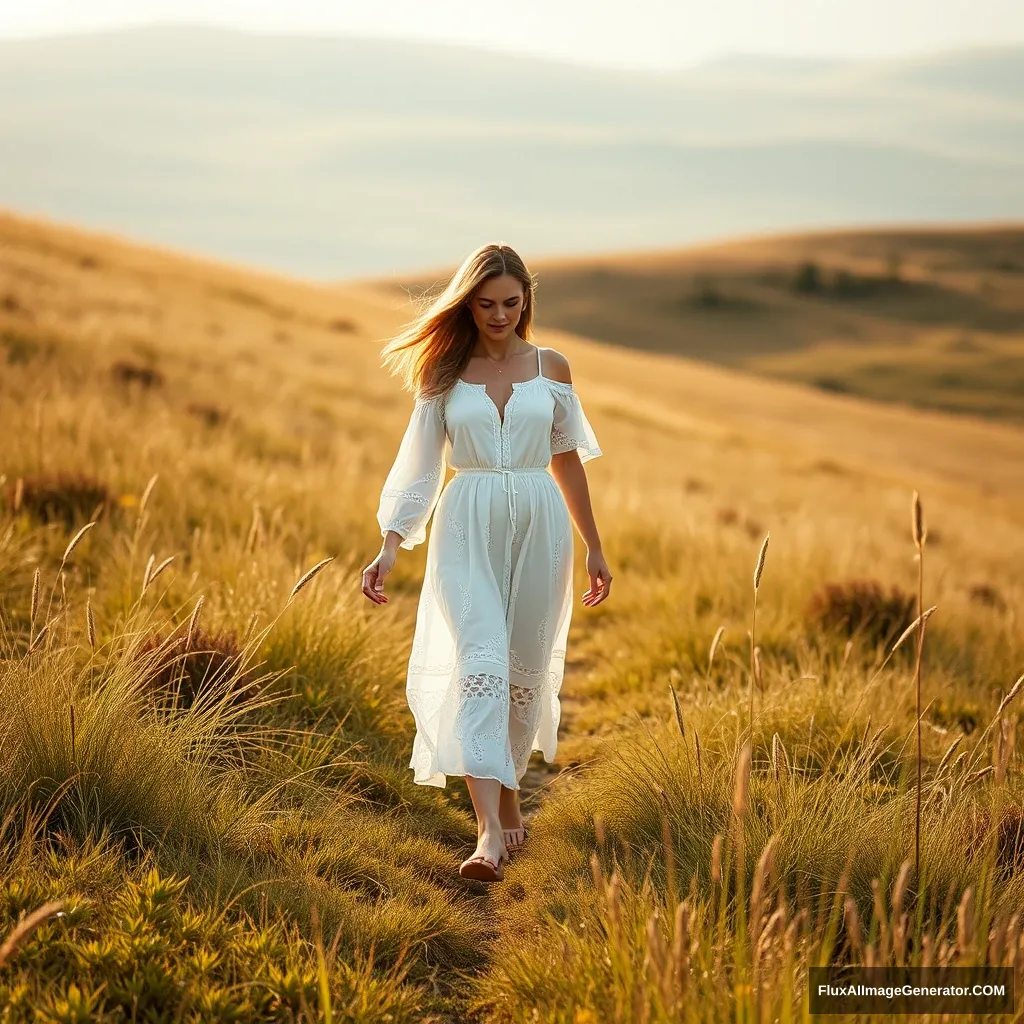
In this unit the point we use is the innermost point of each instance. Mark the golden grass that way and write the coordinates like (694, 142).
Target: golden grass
(292, 820)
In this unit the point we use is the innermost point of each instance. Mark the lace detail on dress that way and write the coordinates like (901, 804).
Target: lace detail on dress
(570, 428)
(561, 442)
(522, 699)
(520, 667)
(458, 532)
(486, 686)
(524, 707)
(483, 684)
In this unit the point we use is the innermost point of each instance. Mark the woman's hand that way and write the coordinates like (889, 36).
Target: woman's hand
(600, 578)
(374, 573)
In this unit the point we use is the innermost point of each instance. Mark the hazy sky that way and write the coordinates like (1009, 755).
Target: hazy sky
(625, 33)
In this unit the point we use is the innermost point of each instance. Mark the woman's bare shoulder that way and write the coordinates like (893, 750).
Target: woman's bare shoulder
(555, 365)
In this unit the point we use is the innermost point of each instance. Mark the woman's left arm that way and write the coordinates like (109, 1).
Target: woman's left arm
(571, 478)
(572, 429)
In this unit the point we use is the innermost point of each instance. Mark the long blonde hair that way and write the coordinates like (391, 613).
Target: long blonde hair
(431, 352)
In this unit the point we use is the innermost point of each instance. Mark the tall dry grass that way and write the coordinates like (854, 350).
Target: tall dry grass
(236, 855)
(786, 863)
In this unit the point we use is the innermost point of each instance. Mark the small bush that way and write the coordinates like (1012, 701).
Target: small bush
(705, 293)
(125, 372)
(834, 384)
(177, 677)
(847, 285)
(20, 347)
(861, 608)
(68, 498)
(986, 594)
(807, 278)
(1010, 844)
(211, 415)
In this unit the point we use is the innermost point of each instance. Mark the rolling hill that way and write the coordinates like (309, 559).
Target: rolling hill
(932, 317)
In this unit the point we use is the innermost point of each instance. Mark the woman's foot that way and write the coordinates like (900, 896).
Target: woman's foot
(487, 863)
(512, 828)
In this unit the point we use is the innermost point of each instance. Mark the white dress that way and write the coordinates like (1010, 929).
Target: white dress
(488, 651)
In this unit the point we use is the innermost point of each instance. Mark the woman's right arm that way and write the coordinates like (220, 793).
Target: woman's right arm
(410, 491)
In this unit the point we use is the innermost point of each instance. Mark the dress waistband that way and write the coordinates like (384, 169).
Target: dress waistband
(508, 476)
(498, 469)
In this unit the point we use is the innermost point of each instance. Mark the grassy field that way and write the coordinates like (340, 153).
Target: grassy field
(932, 317)
(206, 796)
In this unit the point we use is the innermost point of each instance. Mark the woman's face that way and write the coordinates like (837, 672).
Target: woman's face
(497, 306)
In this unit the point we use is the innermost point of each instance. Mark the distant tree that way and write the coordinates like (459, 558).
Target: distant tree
(807, 278)
(705, 292)
(846, 284)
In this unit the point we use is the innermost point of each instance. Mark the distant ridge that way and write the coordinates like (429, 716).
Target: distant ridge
(347, 156)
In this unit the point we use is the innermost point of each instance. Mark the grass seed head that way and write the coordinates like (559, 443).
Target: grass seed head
(144, 501)
(679, 713)
(760, 562)
(965, 921)
(949, 753)
(146, 572)
(35, 596)
(917, 522)
(309, 576)
(919, 621)
(193, 622)
(1014, 690)
(160, 568)
(739, 798)
(74, 541)
(35, 641)
(90, 623)
(780, 759)
(853, 929)
(716, 858)
(714, 645)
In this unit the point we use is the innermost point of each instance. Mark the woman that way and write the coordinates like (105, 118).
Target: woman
(488, 651)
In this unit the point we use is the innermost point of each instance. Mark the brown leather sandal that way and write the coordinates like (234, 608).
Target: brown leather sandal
(511, 843)
(483, 869)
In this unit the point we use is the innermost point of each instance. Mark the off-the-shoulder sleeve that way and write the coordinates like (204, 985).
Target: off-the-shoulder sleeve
(570, 428)
(414, 482)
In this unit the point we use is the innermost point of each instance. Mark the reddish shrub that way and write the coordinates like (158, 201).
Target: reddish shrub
(63, 497)
(1010, 844)
(986, 594)
(125, 372)
(211, 415)
(1009, 839)
(862, 608)
(179, 676)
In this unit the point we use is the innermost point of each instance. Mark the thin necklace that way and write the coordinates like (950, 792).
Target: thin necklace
(505, 360)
